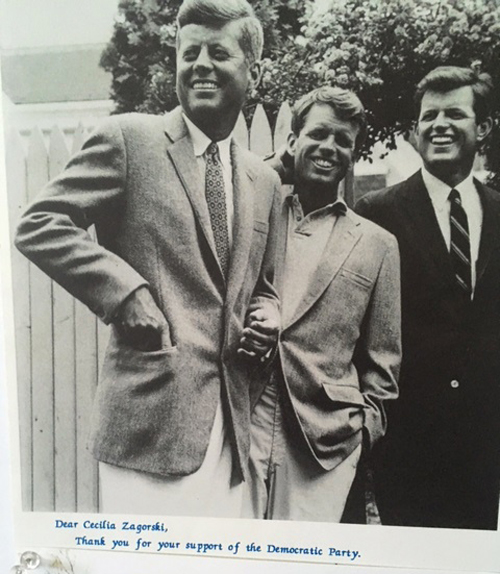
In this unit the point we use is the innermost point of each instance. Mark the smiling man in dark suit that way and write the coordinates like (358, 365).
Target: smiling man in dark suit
(184, 221)
(439, 464)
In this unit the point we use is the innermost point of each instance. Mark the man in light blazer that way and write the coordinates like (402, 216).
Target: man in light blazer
(184, 220)
(339, 348)
(439, 465)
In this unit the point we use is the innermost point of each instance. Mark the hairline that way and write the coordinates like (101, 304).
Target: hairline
(480, 96)
(218, 24)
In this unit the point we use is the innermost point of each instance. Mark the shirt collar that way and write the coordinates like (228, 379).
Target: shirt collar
(439, 191)
(201, 141)
(338, 207)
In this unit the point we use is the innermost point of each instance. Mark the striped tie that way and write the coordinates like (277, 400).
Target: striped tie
(216, 201)
(460, 243)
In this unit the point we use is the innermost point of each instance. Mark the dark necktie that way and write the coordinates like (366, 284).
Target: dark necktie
(216, 201)
(460, 243)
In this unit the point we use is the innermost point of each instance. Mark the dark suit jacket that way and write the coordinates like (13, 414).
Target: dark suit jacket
(340, 352)
(136, 179)
(439, 464)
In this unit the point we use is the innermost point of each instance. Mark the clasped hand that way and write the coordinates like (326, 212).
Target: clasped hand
(260, 333)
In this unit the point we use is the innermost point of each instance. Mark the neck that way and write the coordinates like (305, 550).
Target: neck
(313, 198)
(216, 129)
(451, 178)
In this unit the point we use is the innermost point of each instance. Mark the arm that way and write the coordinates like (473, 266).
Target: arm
(263, 315)
(378, 353)
(53, 232)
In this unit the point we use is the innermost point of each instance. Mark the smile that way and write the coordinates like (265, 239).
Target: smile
(323, 163)
(442, 140)
(204, 85)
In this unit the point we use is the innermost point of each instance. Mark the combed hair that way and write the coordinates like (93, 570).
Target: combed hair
(447, 78)
(344, 103)
(220, 12)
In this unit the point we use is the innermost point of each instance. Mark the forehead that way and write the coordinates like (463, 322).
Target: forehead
(462, 97)
(196, 34)
(323, 115)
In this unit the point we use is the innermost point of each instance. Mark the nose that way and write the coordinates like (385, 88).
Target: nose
(440, 121)
(203, 61)
(328, 145)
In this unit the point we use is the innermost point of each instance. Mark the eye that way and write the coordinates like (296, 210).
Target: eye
(456, 114)
(343, 140)
(427, 117)
(220, 54)
(190, 54)
(317, 135)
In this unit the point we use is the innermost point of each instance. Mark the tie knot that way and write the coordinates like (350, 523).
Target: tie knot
(455, 197)
(213, 149)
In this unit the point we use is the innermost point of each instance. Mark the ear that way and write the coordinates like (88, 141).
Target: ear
(255, 72)
(291, 143)
(484, 129)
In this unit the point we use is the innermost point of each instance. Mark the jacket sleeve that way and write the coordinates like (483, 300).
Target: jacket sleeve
(378, 352)
(265, 294)
(54, 230)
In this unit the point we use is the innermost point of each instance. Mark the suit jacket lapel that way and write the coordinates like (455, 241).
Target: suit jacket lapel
(344, 236)
(282, 239)
(422, 225)
(182, 155)
(243, 198)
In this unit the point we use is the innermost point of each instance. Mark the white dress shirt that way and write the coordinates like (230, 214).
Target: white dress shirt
(439, 193)
(200, 144)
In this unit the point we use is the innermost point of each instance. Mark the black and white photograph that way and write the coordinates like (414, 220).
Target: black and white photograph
(251, 268)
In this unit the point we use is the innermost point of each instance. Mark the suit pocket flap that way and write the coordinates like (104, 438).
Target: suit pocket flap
(343, 394)
(261, 226)
(356, 277)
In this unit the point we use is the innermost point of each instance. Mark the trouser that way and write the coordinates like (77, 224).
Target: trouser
(286, 483)
(206, 492)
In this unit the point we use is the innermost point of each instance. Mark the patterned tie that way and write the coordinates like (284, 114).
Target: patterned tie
(216, 200)
(460, 243)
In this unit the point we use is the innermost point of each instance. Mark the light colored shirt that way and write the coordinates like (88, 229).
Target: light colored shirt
(200, 144)
(439, 193)
(307, 237)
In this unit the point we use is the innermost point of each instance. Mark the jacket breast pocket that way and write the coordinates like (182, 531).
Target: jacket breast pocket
(356, 277)
(261, 226)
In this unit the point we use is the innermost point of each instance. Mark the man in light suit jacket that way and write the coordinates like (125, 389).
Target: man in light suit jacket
(439, 464)
(339, 348)
(184, 221)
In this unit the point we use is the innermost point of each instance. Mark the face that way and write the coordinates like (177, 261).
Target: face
(213, 76)
(324, 148)
(448, 133)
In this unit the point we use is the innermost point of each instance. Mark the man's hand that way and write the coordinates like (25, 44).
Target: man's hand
(282, 162)
(260, 334)
(141, 323)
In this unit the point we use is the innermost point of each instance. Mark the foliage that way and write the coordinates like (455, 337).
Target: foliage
(141, 52)
(381, 49)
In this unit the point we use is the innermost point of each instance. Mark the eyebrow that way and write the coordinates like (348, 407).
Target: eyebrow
(456, 108)
(323, 126)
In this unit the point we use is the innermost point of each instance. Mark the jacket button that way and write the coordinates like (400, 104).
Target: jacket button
(454, 384)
